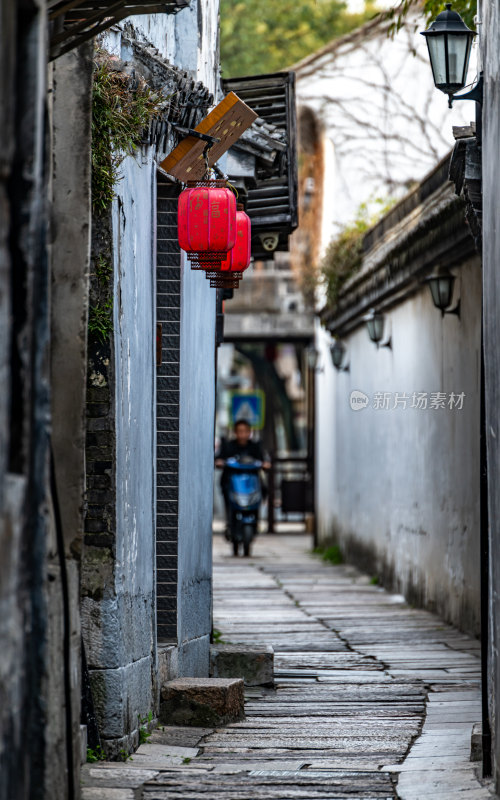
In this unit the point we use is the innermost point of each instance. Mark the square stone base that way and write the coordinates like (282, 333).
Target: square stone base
(202, 702)
(255, 664)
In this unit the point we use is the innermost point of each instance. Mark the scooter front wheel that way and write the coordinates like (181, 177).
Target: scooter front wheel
(248, 534)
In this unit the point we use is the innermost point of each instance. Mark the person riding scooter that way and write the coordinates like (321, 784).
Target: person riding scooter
(238, 457)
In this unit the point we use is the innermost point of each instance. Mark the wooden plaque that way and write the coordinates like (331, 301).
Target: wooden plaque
(226, 122)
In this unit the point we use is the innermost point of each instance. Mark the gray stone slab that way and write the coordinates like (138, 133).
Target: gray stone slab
(98, 793)
(114, 775)
(342, 708)
(178, 735)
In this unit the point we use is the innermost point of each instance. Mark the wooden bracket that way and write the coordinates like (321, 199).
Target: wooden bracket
(225, 123)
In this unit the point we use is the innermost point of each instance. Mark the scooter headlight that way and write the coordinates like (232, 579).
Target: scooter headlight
(242, 500)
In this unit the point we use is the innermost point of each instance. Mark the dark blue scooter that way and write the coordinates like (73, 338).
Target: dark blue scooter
(245, 497)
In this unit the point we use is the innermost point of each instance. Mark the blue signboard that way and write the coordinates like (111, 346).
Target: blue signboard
(249, 406)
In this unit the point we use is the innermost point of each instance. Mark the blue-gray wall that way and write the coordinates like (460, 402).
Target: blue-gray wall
(119, 622)
(134, 325)
(197, 409)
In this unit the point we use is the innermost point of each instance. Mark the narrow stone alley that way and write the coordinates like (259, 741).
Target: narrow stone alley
(372, 698)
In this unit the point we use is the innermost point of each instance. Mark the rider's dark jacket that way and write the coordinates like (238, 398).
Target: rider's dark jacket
(232, 448)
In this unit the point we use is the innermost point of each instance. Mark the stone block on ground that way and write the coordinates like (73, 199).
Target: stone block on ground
(202, 702)
(168, 663)
(253, 663)
(476, 742)
(83, 744)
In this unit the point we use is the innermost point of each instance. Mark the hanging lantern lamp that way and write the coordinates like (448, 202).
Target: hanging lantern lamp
(237, 259)
(206, 216)
(449, 42)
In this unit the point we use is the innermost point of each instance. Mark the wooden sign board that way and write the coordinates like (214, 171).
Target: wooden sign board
(226, 122)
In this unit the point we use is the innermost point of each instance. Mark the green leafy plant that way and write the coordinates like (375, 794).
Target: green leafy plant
(344, 254)
(121, 112)
(466, 8)
(95, 754)
(103, 270)
(217, 637)
(144, 733)
(186, 760)
(101, 320)
(332, 553)
(374, 580)
(124, 755)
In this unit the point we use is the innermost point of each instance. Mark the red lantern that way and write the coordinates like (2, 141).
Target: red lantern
(206, 217)
(237, 259)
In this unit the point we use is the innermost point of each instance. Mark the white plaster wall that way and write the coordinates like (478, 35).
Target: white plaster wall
(188, 39)
(326, 380)
(208, 52)
(399, 489)
(388, 124)
(160, 31)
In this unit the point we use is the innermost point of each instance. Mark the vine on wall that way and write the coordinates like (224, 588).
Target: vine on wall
(122, 109)
(344, 255)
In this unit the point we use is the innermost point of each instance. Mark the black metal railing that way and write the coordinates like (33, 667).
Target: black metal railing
(291, 489)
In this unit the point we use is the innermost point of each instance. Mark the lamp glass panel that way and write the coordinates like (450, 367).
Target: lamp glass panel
(434, 287)
(437, 55)
(442, 290)
(375, 327)
(379, 327)
(445, 288)
(337, 353)
(458, 57)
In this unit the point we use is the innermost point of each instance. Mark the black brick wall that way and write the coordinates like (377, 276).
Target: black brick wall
(100, 446)
(168, 293)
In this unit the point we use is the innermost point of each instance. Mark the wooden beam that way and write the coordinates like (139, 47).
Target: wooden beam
(95, 18)
(62, 8)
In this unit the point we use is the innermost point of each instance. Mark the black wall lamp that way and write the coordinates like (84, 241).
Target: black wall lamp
(337, 352)
(441, 284)
(312, 358)
(375, 323)
(449, 42)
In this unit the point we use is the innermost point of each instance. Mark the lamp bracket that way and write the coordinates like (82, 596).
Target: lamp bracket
(455, 310)
(475, 94)
(190, 132)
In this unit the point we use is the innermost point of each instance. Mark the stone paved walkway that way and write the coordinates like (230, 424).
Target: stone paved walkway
(373, 699)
